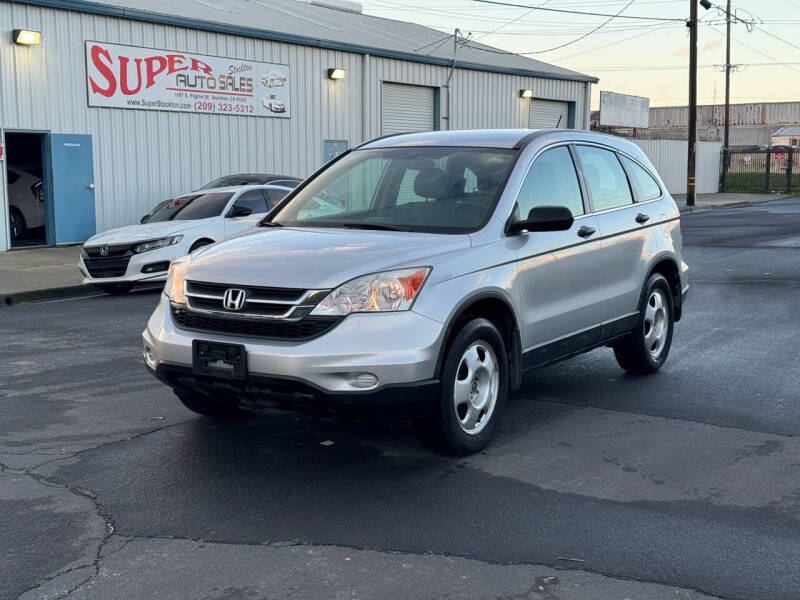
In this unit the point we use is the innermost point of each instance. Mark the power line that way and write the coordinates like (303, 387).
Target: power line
(525, 14)
(585, 35)
(652, 29)
(741, 43)
(578, 12)
(578, 39)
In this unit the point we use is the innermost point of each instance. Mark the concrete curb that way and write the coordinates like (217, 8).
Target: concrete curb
(57, 293)
(693, 209)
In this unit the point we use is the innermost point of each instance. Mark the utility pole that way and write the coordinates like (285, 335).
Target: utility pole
(690, 170)
(690, 163)
(726, 152)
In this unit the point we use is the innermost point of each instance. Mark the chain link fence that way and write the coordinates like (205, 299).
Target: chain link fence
(754, 169)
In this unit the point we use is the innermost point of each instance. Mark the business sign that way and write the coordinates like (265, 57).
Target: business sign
(622, 110)
(148, 79)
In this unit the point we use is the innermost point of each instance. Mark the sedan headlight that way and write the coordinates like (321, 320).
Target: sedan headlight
(175, 286)
(155, 244)
(380, 292)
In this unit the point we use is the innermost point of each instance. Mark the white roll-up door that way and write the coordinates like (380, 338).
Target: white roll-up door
(549, 114)
(406, 108)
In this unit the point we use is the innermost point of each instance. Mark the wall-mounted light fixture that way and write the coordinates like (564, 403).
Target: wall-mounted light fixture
(336, 73)
(26, 37)
(526, 93)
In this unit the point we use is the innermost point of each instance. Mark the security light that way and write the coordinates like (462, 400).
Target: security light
(336, 73)
(26, 37)
(526, 93)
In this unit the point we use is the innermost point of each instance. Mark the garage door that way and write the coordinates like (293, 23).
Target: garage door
(549, 113)
(406, 108)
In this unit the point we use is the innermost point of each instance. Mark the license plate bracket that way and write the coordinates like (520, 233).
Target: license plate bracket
(219, 359)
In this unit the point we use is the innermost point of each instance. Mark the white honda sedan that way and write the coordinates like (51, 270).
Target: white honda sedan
(117, 259)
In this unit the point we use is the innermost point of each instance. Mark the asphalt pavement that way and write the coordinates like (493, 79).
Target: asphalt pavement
(601, 485)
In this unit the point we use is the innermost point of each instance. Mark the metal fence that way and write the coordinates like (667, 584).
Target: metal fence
(759, 169)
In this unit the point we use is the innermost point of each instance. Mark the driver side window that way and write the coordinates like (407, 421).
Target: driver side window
(551, 181)
(252, 199)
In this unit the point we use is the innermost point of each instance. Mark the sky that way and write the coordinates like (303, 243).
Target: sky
(634, 56)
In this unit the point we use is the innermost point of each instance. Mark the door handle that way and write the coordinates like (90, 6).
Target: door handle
(642, 218)
(585, 231)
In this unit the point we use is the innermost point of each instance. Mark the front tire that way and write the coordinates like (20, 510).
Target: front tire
(474, 386)
(207, 406)
(645, 349)
(17, 222)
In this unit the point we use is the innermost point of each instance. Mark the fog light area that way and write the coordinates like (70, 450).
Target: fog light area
(362, 380)
(150, 357)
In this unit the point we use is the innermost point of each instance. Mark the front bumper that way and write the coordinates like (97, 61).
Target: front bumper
(137, 262)
(399, 348)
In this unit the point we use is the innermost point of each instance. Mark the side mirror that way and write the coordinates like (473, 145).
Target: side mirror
(544, 218)
(240, 211)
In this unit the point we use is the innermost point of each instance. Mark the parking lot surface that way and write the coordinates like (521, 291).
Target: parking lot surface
(600, 485)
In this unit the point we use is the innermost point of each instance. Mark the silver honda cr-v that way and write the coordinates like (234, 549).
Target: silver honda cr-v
(423, 274)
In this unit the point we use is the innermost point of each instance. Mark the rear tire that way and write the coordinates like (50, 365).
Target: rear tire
(474, 386)
(645, 349)
(207, 406)
(116, 289)
(17, 223)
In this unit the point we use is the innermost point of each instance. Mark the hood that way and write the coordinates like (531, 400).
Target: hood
(140, 233)
(317, 258)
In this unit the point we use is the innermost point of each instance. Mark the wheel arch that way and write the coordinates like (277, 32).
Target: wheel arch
(203, 241)
(667, 265)
(497, 308)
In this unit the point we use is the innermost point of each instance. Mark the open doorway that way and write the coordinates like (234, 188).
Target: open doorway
(27, 194)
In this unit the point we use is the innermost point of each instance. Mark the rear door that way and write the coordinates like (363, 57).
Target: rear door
(73, 191)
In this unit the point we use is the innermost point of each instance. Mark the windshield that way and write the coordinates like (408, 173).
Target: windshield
(195, 206)
(434, 189)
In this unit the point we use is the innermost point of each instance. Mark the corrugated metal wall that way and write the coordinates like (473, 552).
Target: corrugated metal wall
(142, 157)
(670, 156)
(756, 113)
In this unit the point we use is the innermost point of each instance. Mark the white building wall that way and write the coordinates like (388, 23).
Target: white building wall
(143, 157)
(670, 157)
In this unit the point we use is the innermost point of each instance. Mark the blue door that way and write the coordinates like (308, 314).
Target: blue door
(72, 179)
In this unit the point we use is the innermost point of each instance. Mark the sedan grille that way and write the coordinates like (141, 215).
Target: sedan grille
(107, 261)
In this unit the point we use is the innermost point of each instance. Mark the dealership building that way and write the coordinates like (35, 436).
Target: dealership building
(109, 107)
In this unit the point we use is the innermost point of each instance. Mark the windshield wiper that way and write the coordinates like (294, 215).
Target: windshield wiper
(269, 224)
(376, 226)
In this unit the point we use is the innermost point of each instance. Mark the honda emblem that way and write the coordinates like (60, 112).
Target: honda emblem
(104, 251)
(233, 299)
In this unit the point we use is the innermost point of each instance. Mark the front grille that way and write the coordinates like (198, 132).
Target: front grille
(260, 302)
(278, 329)
(114, 263)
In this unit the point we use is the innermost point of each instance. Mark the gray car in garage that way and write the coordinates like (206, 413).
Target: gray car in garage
(422, 274)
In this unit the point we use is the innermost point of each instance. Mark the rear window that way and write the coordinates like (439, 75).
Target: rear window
(607, 183)
(646, 187)
(195, 206)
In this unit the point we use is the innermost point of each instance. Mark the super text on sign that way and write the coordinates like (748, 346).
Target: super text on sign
(149, 79)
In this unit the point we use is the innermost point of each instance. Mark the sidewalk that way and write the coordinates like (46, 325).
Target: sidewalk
(39, 273)
(710, 201)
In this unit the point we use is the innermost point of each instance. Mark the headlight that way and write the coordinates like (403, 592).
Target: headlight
(380, 292)
(155, 244)
(174, 287)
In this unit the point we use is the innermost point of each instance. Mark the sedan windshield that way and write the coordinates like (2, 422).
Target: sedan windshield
(433, 189)
(194, 206)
